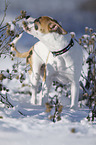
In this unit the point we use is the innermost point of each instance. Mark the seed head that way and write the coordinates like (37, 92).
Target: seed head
(90, 30)
(80, 41)
(72, 34)
(86, 29)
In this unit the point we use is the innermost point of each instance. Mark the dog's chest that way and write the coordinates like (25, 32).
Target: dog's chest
(56, 68)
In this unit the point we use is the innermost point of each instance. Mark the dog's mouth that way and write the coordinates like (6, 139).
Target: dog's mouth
(27, 17)
(28, 23)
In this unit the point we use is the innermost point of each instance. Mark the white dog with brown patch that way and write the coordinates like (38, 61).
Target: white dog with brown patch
(62, 54)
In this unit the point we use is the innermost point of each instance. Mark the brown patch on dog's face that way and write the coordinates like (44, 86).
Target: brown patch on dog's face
(46, 24)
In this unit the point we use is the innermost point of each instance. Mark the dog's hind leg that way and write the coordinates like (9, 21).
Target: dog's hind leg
(74, 95)
(35, 76)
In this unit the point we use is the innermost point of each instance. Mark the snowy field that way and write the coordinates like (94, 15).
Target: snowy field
(34, 127)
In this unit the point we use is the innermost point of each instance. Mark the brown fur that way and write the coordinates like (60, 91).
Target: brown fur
(27, 55)
(46, 24)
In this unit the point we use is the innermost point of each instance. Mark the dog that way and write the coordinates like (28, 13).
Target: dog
(57, 53)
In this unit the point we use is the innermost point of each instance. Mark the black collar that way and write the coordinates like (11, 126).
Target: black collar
(56, 53)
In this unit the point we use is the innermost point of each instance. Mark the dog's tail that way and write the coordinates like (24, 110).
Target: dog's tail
(13, 47)
(27, 55)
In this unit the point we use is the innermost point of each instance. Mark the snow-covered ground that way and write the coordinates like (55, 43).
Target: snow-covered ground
(35, 128)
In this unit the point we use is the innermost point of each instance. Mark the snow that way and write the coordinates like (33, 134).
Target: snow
(36, 129)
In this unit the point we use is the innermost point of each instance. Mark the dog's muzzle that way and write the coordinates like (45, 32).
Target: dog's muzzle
(27, 17)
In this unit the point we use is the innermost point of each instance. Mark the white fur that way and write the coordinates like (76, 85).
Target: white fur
(63, 68)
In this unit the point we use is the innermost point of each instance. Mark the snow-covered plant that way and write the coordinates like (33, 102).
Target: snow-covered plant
(54, 107)
(8, 32)
(88, 41)
(4, 91)
(18, 74)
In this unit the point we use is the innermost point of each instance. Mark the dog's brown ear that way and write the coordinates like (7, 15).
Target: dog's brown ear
(55, 27)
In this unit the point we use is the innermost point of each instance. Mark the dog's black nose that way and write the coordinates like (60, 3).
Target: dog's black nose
(27, 17)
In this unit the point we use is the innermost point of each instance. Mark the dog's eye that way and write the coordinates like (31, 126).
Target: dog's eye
(36, 27)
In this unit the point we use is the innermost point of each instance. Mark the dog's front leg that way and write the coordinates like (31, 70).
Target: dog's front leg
(45, 91)
(48, 84)
(74, 95)
(34, 79)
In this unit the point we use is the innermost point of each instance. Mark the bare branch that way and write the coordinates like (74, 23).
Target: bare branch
(6, 6)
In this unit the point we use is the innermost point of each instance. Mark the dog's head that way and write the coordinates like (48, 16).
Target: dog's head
(43, 25)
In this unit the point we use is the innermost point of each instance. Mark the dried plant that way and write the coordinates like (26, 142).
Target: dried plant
(54, 108)
(88, 41)
(9, 31)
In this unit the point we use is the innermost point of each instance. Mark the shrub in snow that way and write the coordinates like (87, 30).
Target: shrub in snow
(5, 93)
(54, 107)
(7, 33)
(88, 41)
